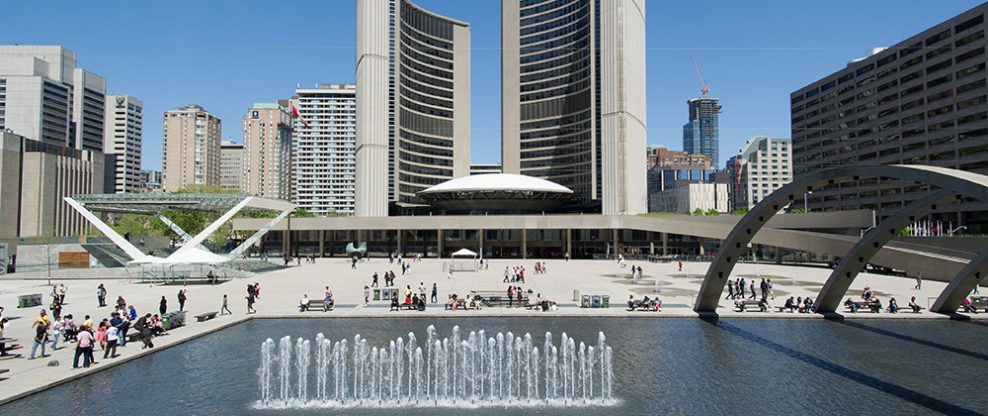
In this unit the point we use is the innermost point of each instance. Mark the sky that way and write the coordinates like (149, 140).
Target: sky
(227, 55)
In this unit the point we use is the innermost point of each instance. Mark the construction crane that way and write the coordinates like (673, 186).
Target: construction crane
(703, 85)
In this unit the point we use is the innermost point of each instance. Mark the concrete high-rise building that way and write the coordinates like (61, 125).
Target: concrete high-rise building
(122, 139)
(764, 165)
(151, 180)
(267, 151)
(701, 135)
(687, 197)
(920, 101)
(413, 103)
(35, 177)
(573, 98)
(232, 165)
(324, 155)
(88, 110)
(191, 142)
(668, 168)
(45, 97)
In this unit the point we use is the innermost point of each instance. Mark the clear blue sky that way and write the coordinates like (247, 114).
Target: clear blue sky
(226, 55)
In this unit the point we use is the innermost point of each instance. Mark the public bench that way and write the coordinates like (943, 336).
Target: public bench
(641, 305)
(203, 317)
(744, 305)
(868, 305)
(319, 305)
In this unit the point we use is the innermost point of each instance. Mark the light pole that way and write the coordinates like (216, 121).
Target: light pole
(806, 201)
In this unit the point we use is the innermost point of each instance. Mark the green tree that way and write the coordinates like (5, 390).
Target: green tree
(712, 211)
(698, 211)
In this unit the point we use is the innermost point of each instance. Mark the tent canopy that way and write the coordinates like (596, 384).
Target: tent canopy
(464, 253)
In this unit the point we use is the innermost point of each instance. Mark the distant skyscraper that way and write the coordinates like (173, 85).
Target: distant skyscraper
(323, 143)
(267, 151)
(122, 138)
(764, 165)
(43, 96)
(191, 142)
(232, 165)
(413, 99)
(573, 98)
(701, 135)
(668, 168)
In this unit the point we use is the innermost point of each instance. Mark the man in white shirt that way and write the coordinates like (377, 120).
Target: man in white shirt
(112, 336)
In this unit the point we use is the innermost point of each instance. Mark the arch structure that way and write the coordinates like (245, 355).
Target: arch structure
(952, 183)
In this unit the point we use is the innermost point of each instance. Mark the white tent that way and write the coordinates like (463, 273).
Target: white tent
(463, 252)
(464, 265)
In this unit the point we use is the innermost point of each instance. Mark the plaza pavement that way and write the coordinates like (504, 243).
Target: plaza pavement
(282, 289)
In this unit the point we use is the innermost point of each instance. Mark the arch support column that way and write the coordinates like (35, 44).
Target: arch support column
(962, 285)
(860, 255)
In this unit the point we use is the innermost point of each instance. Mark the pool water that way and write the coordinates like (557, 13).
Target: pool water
(660, 366)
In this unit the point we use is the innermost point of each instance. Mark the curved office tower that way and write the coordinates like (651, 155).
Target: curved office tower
(573, 98)
(413, 103)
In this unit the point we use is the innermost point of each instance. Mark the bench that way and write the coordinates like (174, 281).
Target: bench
(319, 305)
(206, 316)
(744, 304)
(865, 305)
(133, 336)
(640, 305)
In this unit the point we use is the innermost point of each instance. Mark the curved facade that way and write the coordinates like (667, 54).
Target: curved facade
(573, 100)
(555, 119)
(413, 93)
(433, 81)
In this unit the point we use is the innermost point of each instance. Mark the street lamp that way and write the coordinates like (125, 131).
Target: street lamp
(806, 200)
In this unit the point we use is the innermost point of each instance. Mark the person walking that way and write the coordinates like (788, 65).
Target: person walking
(680, 265)
(752, 287)
(250, 299)
(101, 295)
(740, 288)
(181, 300)
(40, 325)
(366, 296)
(771, 293)
(730, 290)
(511, 294)
(374, 279)
(435, 293)
(764, 288)
(225, 310)
(163, 306)
(919, 281)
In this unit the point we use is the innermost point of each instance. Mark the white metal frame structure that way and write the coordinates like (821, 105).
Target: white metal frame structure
(155, 203)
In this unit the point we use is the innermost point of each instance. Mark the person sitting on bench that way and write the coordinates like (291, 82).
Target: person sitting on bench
(475, 302)
(867, 294)
(394, 303)
(421, 305)
(790, 304)
(413, 303)
(303, 304)
(631, 302)
(807, 305)
(966, 304)
(850, 304)
(893, 306)
(913, 305)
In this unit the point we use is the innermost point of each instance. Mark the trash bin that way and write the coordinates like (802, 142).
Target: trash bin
(605, 301)
(377, 294)
(585, 301)
(576, 295)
